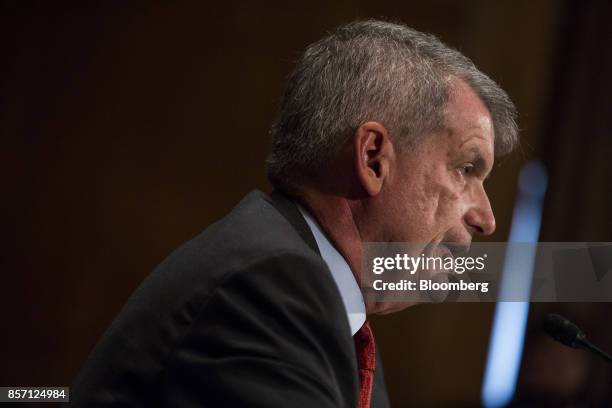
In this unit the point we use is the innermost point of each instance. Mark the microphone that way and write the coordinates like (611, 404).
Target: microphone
(566, 332)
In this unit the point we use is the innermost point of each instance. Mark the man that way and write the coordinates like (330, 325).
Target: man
(383, 134)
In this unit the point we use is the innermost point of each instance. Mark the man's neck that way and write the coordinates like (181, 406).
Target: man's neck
(335, 216)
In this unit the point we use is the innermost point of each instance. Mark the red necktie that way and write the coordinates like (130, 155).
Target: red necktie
(366, 360)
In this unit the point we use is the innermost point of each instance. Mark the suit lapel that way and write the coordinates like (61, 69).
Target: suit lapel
(288, 208)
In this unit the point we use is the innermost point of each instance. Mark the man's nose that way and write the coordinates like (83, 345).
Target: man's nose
(479, 216)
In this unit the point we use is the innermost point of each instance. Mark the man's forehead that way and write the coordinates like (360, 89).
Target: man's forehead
(466, 107)
(476, 137)
(468, 119)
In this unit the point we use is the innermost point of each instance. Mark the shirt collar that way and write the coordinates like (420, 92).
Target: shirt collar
(341, 272)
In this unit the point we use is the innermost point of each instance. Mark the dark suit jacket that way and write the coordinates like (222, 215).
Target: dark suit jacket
(245, 314)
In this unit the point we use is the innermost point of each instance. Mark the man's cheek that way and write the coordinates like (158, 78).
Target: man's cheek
(449, 204)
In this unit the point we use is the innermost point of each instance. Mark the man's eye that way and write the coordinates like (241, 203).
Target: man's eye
(466, 169)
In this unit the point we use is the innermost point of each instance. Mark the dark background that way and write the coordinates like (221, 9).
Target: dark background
(128, 127)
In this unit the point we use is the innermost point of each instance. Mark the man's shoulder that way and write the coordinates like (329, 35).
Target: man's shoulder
(253, 232)
(253, 238)
(255, 226)
(253, 256)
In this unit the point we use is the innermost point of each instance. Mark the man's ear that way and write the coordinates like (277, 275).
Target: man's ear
(373, 156)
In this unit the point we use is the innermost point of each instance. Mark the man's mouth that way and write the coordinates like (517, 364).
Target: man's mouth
(457, 248)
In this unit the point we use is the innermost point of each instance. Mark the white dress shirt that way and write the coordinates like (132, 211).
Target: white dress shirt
(342, 274)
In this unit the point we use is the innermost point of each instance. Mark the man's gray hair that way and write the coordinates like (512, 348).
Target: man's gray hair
(373, 71)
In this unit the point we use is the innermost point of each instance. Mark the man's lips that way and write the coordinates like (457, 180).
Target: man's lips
(456, 248)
